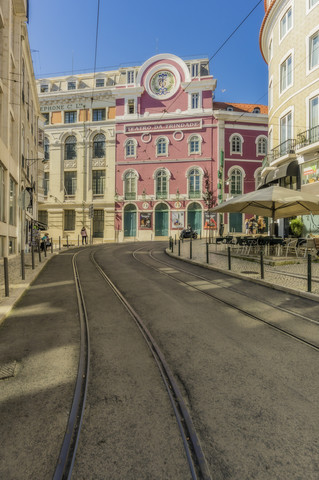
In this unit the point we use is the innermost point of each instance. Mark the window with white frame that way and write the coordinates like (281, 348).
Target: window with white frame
(195, 100)
(194, 144)
(46, 183)
(131, 106)
(130, 148)
(98, 182)
(195, 70)
(46, 146)
(236, 144)
(98, 114)
(99, 82)
(70, 148)
(194, 183)
(236, 182)
(70, 183)
(161, 146)
(12, 201)
(314, 119)
(270, 95)
(285, 133)
(261, 146)
(44, 88)
(130, 76)
(161, 182)
(72, 85)
(270, 51)
(312, 3)
(314, 51)
(286, 23)
(99, 146)
(130, 185)
(70, 117)
(286, 74)
(257, 177)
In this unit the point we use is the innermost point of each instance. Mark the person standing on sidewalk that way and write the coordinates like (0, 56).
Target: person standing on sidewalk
(84, 236)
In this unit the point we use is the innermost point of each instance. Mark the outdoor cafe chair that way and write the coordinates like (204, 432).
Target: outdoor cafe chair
(291, 246)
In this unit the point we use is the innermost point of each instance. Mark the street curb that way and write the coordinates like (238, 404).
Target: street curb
(298, 293)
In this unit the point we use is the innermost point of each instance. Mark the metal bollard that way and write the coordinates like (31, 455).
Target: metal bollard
(51, 245)
(45, 248)
(175, 238)
(39, 250)
(309, 273)
(22, 265)
(32, 256)
(179, 248)
(191, 248)
(78, 240)
(6, 276)
(67, 241)
(207, 252)
(262, 275)
(172, 244)
(229, 258)
(59, 243)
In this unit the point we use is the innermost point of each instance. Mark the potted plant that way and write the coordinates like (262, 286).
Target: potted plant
(296, 226)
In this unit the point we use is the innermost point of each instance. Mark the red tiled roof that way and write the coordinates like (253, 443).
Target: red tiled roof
(240, 107)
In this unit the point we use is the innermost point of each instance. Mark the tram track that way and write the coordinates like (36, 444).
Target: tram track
(228, 303)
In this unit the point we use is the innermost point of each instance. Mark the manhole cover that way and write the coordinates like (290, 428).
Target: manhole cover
(250, 272)
(7, 371)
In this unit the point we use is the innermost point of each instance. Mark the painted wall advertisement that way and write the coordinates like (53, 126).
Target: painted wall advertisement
(210, 221)
(145, 220)
(178, 219)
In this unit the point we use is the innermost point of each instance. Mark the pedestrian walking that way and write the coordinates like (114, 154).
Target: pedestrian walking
(84, 236)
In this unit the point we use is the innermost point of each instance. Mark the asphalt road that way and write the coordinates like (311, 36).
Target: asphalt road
(252, 392)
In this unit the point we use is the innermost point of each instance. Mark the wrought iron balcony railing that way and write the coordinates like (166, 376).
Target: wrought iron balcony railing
(286, 148)
(308, 137)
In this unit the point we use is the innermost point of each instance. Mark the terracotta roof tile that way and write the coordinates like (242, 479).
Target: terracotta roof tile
(240, 107)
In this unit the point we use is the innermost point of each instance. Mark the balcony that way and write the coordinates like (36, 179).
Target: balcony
(285, 149)
(130, 196)
(195, 194)
(161, 195)
(308, 140)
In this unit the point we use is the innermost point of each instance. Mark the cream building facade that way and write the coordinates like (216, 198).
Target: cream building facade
(21, 149)
(289, 42)
(79, 145)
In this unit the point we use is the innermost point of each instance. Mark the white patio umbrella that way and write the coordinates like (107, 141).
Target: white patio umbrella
(275, 202)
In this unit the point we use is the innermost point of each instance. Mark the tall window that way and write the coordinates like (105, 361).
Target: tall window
(99, 146)
(314, 119)
(130, 185)
(194, 144)
(194, 181)
(98, 114)
(43, 216)
(130, 106)
(195, 100)
(262, 146)
(46, 149)
(98, 182)
(286, 74)
(312, 3)
(314, 50)
(69, 219)
(12, 201)
(161, 184)
(2, 193)
(236, 144)
(195, 70)
(270, 94)
(130, 76)
(70, 148)
(69, 183)
(47, 118)
(236, 182)
(286, 23)
(70, 117)
(46, 183)
(258, 177)
(161, 146)
(130, 150)
(285, 133)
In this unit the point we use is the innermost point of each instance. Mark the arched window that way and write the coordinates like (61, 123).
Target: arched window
(194, 183)
(262, 146)
(194, 144)
(236, 182)
(161, 184)
(70, 148)
(130, 185)
(130, 148)
(236, 144)
(46, 149)
(161, 146)
(99, 146)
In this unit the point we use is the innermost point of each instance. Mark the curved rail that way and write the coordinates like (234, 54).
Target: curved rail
(225, 302)
(195, 456)
(65, 463)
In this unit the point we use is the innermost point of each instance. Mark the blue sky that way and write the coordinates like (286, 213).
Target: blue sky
(62, 36)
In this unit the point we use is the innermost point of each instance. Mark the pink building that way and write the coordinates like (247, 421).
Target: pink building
(174, 152)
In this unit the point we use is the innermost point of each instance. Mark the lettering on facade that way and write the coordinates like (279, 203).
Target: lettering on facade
(65, 106)
(146, 127)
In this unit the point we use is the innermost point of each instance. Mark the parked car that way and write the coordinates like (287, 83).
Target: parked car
(188, 233)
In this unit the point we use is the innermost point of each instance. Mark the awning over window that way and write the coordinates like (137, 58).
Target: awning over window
(288, 170)
(262, 183)
(40, 225)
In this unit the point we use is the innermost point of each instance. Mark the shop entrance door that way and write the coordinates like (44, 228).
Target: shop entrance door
(194, 217)
(161, 220)
(130, 221)
(235, 222)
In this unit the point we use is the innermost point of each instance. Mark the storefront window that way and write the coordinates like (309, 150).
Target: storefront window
(310, 172)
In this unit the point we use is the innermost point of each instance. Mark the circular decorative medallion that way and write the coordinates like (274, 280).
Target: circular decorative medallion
(162, 83)
(145, 205)
(146, 137)
(178, 205)
(178, 135)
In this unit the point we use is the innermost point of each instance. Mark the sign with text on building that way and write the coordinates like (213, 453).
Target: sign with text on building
(63, 106)
(163, 126)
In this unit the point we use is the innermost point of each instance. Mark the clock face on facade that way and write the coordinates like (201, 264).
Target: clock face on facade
(163, 84)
